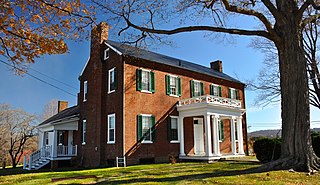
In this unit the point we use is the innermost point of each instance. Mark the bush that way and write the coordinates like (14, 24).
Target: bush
(267, 149)
(315, 137)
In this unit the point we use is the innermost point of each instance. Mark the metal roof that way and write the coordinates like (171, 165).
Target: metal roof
(65, 114)
(167, 60)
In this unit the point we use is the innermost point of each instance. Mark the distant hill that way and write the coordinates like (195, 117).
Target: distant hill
(271, 133)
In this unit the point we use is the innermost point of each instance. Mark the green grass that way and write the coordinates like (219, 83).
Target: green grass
(227, 172)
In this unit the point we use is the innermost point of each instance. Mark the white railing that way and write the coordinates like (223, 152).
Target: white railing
(44, 152)
(212, 100)
(67, 150)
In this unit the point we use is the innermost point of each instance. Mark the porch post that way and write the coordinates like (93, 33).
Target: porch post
(216, 145)
(70, 142)
(208, 135)
(181, 134)
(233, 136)
(54, 143)
(240, 135)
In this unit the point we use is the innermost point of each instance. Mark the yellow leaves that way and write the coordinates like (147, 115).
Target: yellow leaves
(10, 11)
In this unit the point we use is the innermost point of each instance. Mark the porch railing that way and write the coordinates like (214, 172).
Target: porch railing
(44, 152)
(212, 100)
(67, 150)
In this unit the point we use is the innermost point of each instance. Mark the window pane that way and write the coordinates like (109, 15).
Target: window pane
(145, 80)
(174, 129)
(146, 130)
(111, 134)
(174, 123)
(197, 91)
(173, 85)
(215, 91)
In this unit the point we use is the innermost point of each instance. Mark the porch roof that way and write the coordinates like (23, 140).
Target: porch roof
(71, 112)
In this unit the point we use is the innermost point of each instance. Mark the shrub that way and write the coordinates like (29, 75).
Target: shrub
(267, 149)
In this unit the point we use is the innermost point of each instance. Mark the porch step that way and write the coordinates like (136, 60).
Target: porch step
(39, 164)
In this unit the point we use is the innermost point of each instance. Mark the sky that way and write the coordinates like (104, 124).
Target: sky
(239, 61)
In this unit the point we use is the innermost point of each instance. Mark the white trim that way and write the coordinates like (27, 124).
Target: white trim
(111, 47)
(114, 129)
(85, 90)
(147, 115)
(105, 53)
(109, 84)
(82, 133)
(84, 66)
(178, 127)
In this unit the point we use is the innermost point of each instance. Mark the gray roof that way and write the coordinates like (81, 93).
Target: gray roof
(67, 113)
(163, 59)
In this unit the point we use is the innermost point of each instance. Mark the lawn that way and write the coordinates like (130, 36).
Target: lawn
(227, 172)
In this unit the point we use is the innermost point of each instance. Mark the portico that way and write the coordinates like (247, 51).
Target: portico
(210, 115)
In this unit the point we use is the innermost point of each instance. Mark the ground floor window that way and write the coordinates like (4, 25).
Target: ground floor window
(221, 131)
(111, 128)
(145, 128)
(173, 129)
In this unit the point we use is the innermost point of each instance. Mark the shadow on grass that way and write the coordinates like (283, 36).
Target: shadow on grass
(191, 177)
(20, 170)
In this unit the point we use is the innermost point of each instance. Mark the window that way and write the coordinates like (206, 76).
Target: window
(46, 138)
(85, 90)
(60, 137)
(215, 90)
(112, 80)
(221, 131)
(173, 85)
(173, 129)
(84, 131)
(146, 128)
(145, 81)
(236, 131)
(233, 93)
(111, 128)
(196, 88)
(106, 54)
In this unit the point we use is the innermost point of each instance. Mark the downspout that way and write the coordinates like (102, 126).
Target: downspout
(123, 106)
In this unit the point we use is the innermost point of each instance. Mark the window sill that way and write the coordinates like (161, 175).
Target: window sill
(145, 91)
(85, 100)
(147, 142)
(109, 92)
(220, 141)
(174, 141)
(172, 95)
(84, 143)
(111, 142)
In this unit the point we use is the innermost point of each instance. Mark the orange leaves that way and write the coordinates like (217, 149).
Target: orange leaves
(30, 29)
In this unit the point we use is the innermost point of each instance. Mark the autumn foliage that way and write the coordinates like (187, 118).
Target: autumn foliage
(32, 28)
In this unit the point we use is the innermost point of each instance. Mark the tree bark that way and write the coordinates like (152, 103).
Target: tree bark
(296, 149)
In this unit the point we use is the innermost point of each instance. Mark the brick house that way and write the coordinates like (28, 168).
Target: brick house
(145, 107)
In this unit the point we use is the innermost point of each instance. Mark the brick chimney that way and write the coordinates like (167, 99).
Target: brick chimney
(216, 65)
(99, 34)
(62, 105)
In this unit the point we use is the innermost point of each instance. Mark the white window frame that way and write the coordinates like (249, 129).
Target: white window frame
(196, 83)
(220, 131)
(149, 79)
(84, 131)
(109, 80)
(46, 138)
(106, 54)
(233, 93)
(114, 129)
(175, 117)
(216, 87)
(177, 85)
(150, 127)
(85, 90)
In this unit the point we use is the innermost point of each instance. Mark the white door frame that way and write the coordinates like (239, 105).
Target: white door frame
(198, 136)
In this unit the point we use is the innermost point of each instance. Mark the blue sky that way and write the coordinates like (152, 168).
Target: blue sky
(239, 61)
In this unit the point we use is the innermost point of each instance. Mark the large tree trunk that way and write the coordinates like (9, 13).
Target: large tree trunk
(296, 149)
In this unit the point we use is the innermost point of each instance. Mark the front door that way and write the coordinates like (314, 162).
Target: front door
(198, 136)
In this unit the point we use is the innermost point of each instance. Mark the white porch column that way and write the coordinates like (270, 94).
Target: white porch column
(70, 141)
(181, 134)
(240, 135)
(207, 124)
(216, 144)
(54, 143)
(233, 136)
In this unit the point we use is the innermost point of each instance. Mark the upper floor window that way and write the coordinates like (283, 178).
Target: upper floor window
(173, 85)
(84, 131)
(221, 131)
(146, 128)
(196, 88)
(111, 128)
(233, 93)
(112, 83)
(145, 81)
(106, 54)
(215, 90)
(173, 129)
(85, 90)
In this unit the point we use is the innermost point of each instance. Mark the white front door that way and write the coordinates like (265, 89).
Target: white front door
(198, 136)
